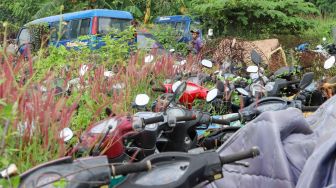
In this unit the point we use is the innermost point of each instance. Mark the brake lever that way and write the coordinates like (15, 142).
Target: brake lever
(244, 164)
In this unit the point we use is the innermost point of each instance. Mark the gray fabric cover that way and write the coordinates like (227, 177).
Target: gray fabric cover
(295, 151)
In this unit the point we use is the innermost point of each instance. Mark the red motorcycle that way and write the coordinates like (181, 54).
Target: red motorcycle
(107, 137)
(193, 91)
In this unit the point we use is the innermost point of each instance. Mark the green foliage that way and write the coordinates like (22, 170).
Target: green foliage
(168, 37)
(246, 17)
(327, 7)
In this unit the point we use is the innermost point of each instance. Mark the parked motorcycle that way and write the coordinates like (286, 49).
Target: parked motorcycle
(178, 169)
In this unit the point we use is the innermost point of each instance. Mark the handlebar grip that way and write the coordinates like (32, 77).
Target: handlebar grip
(220, 121)
(253, 152)
(159, 89)
(309, 108)
(153, 120)
(131, 168)
(186, 118)
(227, 121)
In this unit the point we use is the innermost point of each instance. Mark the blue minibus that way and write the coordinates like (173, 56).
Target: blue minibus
(70, 26)
(181, 23)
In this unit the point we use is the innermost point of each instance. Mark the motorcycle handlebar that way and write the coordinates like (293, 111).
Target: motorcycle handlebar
(186, 118)
(226, 121)
(159, 89)
(131, 168)
(153, 120)
(309, 108)
(253, 152)
(220, 121)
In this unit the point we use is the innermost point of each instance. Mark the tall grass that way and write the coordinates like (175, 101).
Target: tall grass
(32, 118)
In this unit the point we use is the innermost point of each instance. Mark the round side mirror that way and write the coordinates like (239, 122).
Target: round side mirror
(255, 57)
(242, 91)
(324, 39)
(206, 63)
(329, 62)
(83, 70)
(212, 94)
(141, 99)
(108, 74)
(210, 32)
(118, 86)
(175, 85)
(66, 134)
(172, 50)
(269, 86)
(149, 58)
(252, 69)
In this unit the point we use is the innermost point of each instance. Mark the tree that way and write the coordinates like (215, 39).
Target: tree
(327, 7)
(258, 16)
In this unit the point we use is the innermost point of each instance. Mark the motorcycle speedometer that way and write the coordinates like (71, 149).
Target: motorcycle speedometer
(176, 112)
(271, 107)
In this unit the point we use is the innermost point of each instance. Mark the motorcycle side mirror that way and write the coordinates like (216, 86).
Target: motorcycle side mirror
(306, 80)
(149, 58)
(83, 70)
(242, 91)
(324, 39)
(255, 57)
(220, 86)
(210, 32)
(108, 74)
(141, 99)
(179, 90)
(9, 171)
(176, 85)
(66, 134)
(329, 62)
(206, 63)
(212, 94)
(252, 69)
(181, 62)
(172, 50)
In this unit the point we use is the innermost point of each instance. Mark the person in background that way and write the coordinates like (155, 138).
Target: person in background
(196, 42)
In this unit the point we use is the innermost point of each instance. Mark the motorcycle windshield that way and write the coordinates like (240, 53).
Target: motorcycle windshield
(295, 151)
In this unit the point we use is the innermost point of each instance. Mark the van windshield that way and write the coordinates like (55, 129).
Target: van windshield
(107, 25)
(24, 37)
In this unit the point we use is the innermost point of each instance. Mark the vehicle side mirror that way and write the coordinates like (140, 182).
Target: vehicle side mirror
(252, 69)
(255, 57)
(306, 80)
(66, 134)
(212, 94)
(181, 87)
(141, 100)
(329, 62)
(206, 63)
(242, 91)
(149, 58)
(278, 85)
(83, 70)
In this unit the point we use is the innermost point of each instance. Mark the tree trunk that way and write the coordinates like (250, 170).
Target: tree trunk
(148, 11)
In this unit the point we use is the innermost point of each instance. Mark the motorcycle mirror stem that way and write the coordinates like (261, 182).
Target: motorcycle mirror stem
(95, 151)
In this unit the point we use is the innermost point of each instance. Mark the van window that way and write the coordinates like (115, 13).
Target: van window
(24, 37)
(106, 25)
(70, 29)
(55, 30)
(73, 29)
(84, 27)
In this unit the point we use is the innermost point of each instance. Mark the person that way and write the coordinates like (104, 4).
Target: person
(196, 42)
